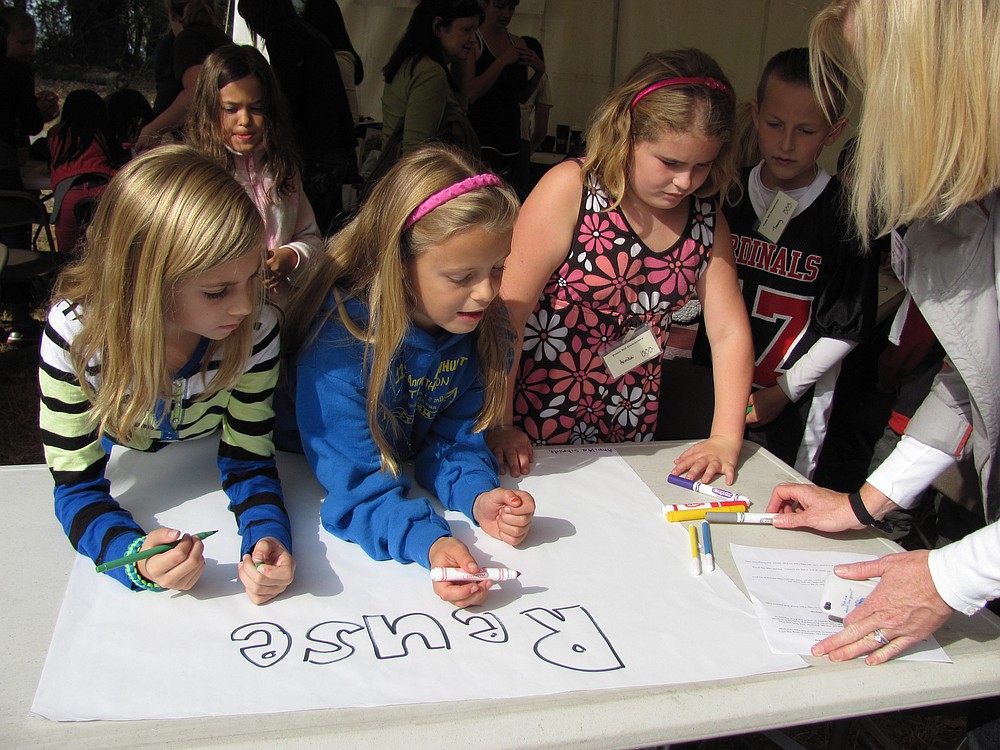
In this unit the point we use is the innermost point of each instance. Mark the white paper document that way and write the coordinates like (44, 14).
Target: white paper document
(785, 586)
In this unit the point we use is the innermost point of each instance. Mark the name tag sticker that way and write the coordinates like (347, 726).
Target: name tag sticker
(775, 220)
(638, 347)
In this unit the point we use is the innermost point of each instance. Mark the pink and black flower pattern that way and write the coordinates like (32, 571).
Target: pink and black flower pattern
(609, 284)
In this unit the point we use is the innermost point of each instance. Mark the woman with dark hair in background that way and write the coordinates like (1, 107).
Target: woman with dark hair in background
(423, 97)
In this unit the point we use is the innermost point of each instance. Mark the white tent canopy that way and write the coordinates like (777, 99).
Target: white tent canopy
(590, 44)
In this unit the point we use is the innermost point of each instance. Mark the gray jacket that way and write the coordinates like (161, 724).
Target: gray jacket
(952, 275)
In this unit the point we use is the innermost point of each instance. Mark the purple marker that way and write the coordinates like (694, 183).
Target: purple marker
(707, 489)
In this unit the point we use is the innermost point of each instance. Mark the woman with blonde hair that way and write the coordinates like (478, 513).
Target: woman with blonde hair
(157, 334)
(927, 170)
(607, 249)
(405, 357)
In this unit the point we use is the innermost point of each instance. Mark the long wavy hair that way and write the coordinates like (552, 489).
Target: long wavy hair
(167, 216)
(369, 260)
(929, 131)
(616, 127)
(203, 130)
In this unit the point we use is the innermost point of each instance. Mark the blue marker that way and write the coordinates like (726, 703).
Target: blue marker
(706, 489)
(706, 540)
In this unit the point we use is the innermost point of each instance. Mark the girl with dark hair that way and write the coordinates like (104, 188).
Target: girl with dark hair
(81, 143)
(238, 117)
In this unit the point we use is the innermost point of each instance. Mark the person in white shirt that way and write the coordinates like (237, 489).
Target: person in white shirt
(937, 175)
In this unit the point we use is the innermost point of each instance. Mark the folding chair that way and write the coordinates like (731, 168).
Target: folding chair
(18, 207)
(63, 187)
(26, 278)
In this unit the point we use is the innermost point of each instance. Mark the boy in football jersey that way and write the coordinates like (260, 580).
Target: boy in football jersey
(809, 287)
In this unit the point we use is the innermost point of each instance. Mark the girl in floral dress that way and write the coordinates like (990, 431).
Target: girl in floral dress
(606, 249)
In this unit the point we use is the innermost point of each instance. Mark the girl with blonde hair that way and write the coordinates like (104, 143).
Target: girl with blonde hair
(406, 357)
(158, 333)
(926, 169)
(239, 118)
(606, 249)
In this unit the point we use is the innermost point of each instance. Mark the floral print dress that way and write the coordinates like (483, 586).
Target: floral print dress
(609, 284)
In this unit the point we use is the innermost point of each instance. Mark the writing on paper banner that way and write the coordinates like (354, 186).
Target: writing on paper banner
(563, 637)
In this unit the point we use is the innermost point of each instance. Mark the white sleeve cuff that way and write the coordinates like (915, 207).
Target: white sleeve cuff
(821, 357)
(294, 276)
(966, 573)
(909, 470)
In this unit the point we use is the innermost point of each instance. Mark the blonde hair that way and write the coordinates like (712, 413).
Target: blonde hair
(167, 216)
(746, 142)
(616, 127)
(369, 260)
(929, 132)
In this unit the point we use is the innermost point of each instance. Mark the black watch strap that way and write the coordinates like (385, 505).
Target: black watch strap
(858, 506)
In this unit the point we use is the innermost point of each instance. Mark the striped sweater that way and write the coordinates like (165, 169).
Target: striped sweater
(95, 523)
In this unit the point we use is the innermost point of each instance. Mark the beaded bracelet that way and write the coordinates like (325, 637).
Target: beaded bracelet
(132, 569)
(860, 511)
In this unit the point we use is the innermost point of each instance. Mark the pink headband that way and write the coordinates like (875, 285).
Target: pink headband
(711, 83)
(452, 191)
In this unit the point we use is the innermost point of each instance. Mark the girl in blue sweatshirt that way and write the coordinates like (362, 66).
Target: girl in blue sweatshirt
(405, 356)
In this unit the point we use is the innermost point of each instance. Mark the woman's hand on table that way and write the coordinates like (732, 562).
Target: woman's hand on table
(904, 608)
(705, 460)
(806, 506)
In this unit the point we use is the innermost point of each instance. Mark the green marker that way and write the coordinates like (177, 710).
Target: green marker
(137, 556)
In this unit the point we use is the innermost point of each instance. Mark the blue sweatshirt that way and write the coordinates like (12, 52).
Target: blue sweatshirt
(434, 390)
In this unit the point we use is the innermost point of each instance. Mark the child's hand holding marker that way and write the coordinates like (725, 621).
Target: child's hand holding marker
(485, 574)
(448, 552)
(268, 571)
(505, 514)
(178, 568)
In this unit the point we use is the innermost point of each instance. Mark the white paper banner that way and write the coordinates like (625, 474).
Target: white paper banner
(605, 600)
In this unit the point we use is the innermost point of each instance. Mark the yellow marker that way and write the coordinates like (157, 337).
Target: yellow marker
(699, 513)
(695, 556)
